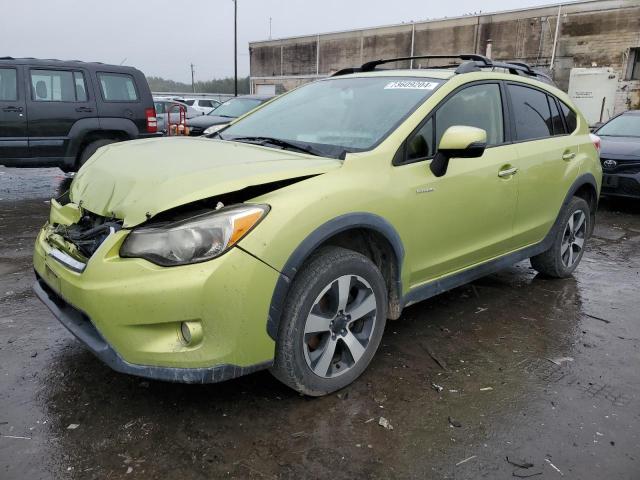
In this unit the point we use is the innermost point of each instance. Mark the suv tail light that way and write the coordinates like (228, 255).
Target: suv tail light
(596, 142)
(152, 121)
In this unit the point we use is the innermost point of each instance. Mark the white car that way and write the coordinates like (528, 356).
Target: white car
(204, 105)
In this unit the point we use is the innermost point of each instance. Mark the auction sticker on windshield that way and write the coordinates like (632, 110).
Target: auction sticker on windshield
(411, 84)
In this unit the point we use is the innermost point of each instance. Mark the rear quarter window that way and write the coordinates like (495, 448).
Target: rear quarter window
(117, 87)
(570, 117)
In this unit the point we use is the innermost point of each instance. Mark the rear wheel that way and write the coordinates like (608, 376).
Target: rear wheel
(91, 148)
(568, 246)
(332, 322)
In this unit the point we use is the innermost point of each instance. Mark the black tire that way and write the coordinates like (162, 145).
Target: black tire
(323, 271)
(552, 263)
(91, 148)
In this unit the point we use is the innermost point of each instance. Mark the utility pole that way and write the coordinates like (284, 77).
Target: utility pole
(193, 85)
(235, 46)
(270, 28)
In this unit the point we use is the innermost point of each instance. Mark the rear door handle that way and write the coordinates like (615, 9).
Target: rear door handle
(508, 172)
(12, 109)
(568, 155)
(84, 109)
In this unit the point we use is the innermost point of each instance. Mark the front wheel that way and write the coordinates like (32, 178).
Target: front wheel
(332, 322)
(567, 249)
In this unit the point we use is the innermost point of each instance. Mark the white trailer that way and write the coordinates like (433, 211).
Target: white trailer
(594, 90)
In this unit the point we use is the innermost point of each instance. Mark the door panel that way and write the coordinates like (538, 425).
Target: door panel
(462, 218)
(57, 99)
(466, 216)
(548, 167)
(547, 160)
(13, 115)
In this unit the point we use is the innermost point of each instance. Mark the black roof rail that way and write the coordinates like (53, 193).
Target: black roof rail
(370, 66)
(473, 63)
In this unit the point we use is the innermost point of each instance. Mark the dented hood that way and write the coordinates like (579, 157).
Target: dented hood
(136, 180)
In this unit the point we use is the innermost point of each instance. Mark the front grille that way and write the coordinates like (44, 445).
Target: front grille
(622, 166)
(89, 233)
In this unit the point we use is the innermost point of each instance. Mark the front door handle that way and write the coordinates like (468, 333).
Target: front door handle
(12, 109)
(84, 109)
(568, 155)
(508, 172)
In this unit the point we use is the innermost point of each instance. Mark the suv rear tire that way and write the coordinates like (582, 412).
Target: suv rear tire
(332, 322)
(91, 148)
(568, 245)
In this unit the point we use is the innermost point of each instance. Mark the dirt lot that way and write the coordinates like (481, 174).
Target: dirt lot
(539, 371)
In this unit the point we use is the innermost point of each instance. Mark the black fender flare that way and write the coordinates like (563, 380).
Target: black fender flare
(84, 126)
(325, 231)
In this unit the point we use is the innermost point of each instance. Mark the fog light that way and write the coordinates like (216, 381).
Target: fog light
(191, 332)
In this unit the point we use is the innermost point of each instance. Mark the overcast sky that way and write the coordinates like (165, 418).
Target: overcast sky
(162, 37)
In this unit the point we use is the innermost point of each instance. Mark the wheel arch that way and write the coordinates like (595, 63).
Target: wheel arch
(366, 233)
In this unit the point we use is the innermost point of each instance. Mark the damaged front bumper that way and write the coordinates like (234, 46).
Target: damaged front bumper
(129, 312)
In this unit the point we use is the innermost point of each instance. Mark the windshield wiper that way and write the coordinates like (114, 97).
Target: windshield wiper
(225, 116)
(284, 144)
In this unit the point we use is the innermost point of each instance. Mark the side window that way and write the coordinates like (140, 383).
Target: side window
(206, 103)
(159, 107)
(476, 106)
(81, 89)
(8, 84)
(569, 117)
(531, 111)
(556, 119)
(117, 87)
(420, 145)
(55, 86)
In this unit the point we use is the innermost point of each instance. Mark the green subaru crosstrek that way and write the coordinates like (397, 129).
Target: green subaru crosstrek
(286, 240)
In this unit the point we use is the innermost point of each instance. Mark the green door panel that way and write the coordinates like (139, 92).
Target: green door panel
(461, 218)
(544, 179)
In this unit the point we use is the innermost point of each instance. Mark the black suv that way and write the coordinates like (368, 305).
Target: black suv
(57, 113)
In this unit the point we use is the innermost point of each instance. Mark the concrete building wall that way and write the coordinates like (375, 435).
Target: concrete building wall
(590, 33)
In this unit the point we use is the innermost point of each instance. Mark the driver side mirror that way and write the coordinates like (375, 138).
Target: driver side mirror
(458, 141)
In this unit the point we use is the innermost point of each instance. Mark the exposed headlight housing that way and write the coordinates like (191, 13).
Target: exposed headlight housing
(214, 129)
(194, 240)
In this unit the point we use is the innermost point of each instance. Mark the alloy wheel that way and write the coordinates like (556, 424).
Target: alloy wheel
(573, 238)
(339, 326)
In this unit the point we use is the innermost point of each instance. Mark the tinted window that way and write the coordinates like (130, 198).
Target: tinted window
(81, 89)
(117, 87)
(531, 111)
(205, 103)
(556, 119)
(569, 117)
(478, 106)
(420, 145)
(8, 84)
(53, 86)
(188, 102)
(159, 107)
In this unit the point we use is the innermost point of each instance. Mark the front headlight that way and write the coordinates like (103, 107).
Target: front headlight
(196, 239)
(214, 129)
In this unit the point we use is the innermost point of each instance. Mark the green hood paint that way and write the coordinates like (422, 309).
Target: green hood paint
(134, 180)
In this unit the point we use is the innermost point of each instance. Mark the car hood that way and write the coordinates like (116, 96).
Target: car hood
(205, 121)
(136, 180)
(620, 148)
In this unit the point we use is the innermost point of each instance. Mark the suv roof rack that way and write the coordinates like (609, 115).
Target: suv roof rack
(472, 63)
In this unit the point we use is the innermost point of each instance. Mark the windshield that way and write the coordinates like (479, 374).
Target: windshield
(622, 126)
(236, 107)
(347, 114)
